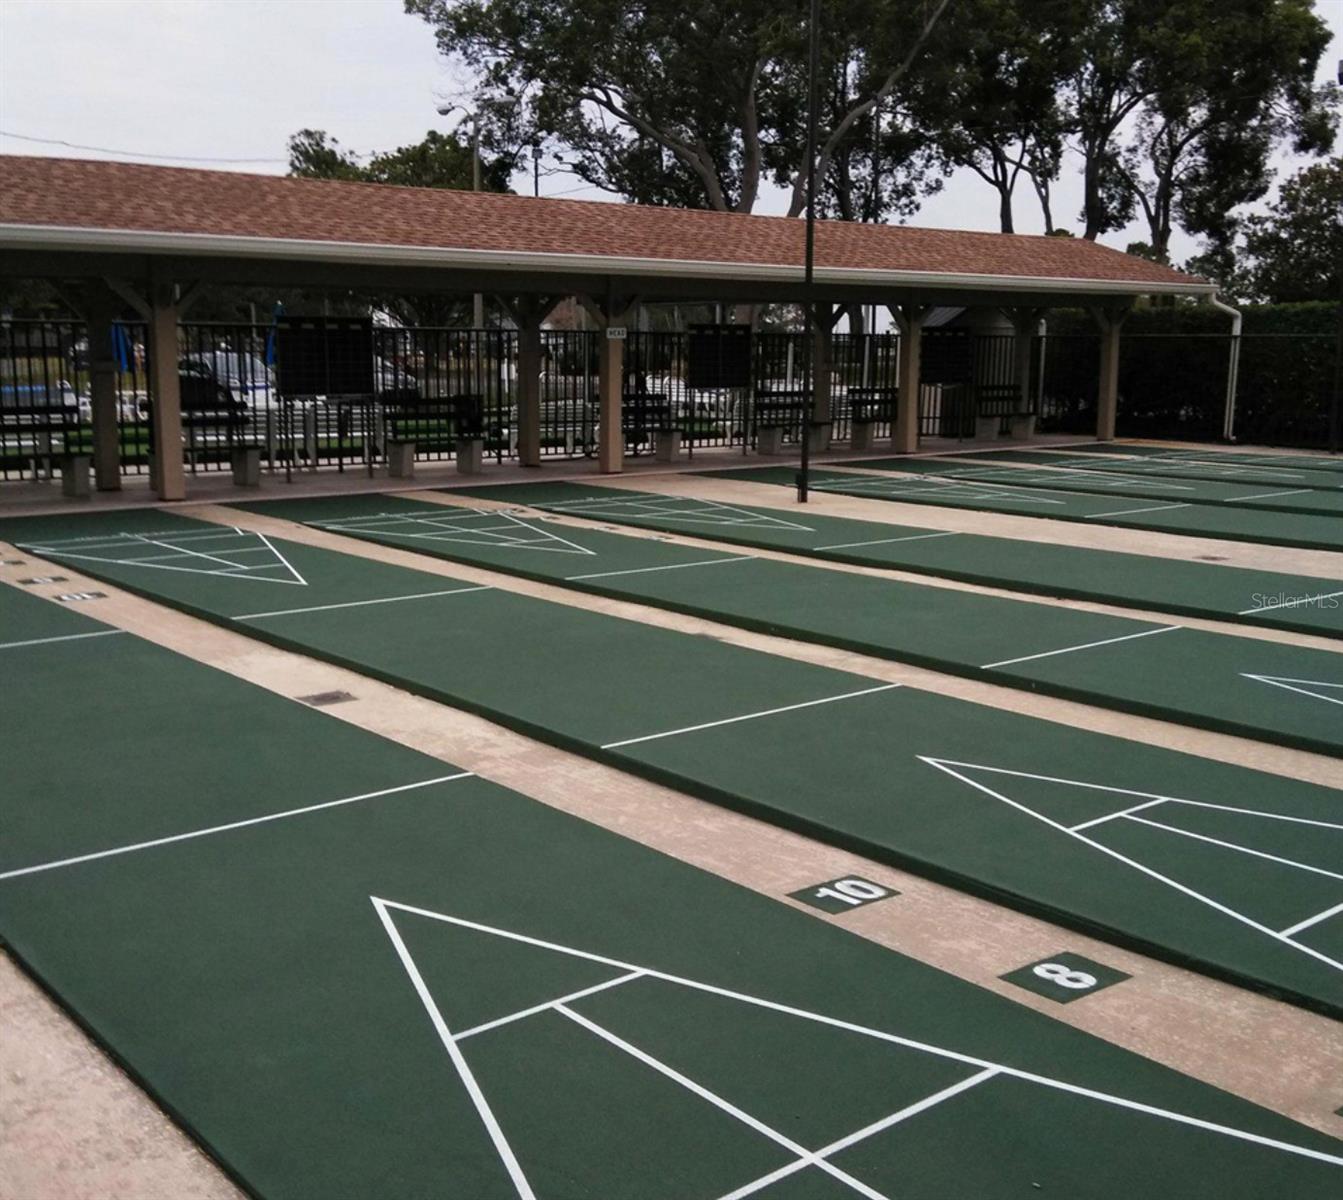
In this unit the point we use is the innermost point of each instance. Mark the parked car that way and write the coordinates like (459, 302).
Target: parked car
(36, 404)
(205, 401)
(245, 377)
(393, 384)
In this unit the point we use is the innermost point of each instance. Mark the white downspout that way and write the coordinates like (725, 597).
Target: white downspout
(1232, 368)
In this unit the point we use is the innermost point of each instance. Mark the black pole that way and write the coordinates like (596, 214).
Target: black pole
(1336, 401)
(804, 474)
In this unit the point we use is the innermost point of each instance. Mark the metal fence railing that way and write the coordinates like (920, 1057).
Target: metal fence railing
(435, 385)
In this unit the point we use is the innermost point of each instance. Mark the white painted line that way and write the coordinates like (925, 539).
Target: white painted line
(523, 1013)
(718, 1102)
(1128, 637)
(69, 637)
(287, 612)
(1123, 812)
(1203, 837)
(209, 831)
(1300, 686)
(1315, 920)
(894, 1039)
(1305, 602)
(916, 537)
(768, 712)
(298, 579)
(1137, 866)
(704, 562)
(501, 1146)
(910, 1110)
(1127, 512)
(1267, 495)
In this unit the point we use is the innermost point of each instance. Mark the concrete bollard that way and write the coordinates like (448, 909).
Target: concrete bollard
(986, 428)
(246, 461)
(863, 436)
(75, 476)
(1023, 426)
(667, 445)
(470, 455)
(401, 460)
(769, 439)
(819, 435)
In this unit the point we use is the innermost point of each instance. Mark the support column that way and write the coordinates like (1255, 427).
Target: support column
(610, 386)
(822, 350)
(529, 390)
(103, 388)
(909, 318)
(1107, 395)
(166, 474)
(1025, 324)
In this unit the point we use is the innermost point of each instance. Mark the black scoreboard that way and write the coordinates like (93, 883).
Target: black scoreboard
(720, 356)
(324, 356)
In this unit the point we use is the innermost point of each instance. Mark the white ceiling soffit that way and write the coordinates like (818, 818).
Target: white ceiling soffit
(78, 238)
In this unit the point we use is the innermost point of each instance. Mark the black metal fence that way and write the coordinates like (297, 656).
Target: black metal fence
(434, 386)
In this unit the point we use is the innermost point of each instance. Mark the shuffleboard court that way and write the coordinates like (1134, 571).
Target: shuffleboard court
(1258, 474)
(1186, 675)
(1303, 531)
(443, 988)
(1299, 603)
(1086, 830)
(1311, 462)
(1113, 481)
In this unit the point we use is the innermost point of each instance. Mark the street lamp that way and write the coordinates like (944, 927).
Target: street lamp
(477, 300)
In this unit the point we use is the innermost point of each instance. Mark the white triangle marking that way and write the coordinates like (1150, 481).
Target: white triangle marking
(985, 1068)
(1301, 686)
(948, 767)
(456, 526)
(103, 550)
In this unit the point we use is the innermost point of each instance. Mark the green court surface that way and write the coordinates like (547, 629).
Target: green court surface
(1309, 462)
(1226, 870)
(1294, 602)
(1301, 530)
(1258, 474)
(348, 969)
(1257, 689)
(1112, 481)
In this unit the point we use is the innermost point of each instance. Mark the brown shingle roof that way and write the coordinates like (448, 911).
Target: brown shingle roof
(72, 193)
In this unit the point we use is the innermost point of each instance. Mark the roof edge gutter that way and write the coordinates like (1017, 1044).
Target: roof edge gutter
(132, 241)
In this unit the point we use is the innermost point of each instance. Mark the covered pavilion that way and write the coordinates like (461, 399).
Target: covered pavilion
(148, 236)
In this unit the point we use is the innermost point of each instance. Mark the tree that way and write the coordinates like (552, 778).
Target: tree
(1244, 85)
(1295, 251)
(440, 161)
(683, 102)
(1209, 86)
(1003, 116)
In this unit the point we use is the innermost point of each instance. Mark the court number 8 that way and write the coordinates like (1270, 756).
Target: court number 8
(1065, 977)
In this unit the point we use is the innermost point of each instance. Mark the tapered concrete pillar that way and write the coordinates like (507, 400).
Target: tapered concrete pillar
(610, 386)
(166, 474)
(103, 392)
(529, 390)
(909, 319)
(822, 349)
(1107, 395)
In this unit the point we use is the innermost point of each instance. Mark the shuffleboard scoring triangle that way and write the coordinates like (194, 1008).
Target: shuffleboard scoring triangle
(476, 975)
(1317, 689)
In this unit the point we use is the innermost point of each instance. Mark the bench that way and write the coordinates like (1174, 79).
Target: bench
(999, 402)
(405, 415)
(782, 413)
(647, 417)
(869, 407)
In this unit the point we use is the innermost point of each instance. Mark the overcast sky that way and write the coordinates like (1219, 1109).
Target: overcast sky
(232, 79)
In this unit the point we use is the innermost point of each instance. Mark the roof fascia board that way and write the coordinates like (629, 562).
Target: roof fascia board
(79, 238)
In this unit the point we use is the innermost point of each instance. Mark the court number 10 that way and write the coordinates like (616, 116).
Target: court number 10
(852, 891)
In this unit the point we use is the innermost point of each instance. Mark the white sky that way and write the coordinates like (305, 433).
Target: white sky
(234, 78)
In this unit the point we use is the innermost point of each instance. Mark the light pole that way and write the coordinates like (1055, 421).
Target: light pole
(814, 54)
(477, 300)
